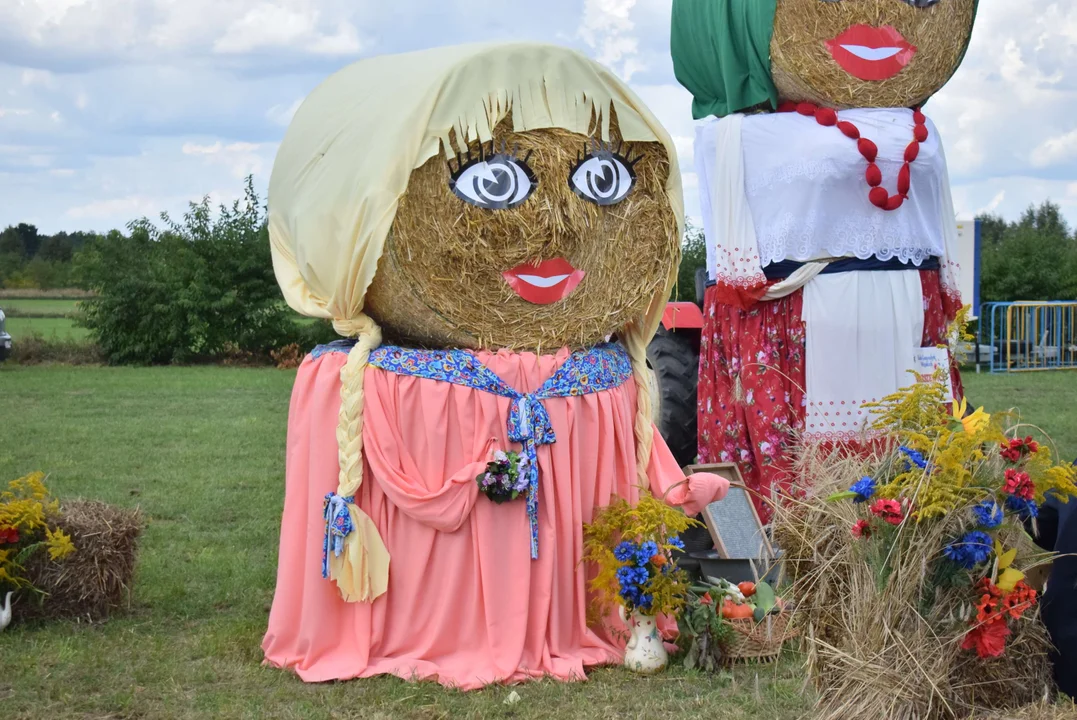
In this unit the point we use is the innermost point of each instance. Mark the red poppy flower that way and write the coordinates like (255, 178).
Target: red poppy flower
(9, 535)
(1018, 448)
(862, 529)
(658, 560)
(988, 640)
(1010, 453)
(1019, 484)
(889, 511)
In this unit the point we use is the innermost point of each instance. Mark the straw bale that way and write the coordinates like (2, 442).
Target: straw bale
(1063, 710)
(95, 579)
(439, 282)
(803, 68)
(875, 647)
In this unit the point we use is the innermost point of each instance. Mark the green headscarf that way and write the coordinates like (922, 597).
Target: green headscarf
(721, 53)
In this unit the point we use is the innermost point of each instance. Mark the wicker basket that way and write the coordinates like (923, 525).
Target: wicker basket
(757, 642)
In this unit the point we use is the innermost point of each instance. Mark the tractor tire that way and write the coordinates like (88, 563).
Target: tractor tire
(674, 362)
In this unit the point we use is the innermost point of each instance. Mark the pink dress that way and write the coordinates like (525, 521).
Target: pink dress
(465, 605)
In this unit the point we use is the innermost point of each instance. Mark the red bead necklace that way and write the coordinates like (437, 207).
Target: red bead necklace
(878, 195)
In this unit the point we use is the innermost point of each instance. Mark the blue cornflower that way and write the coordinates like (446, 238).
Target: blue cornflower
(988, 514)
(625, 551)
(971, 550)
(675, 542)
(1025, 509)
(864, 489)
(631, 594)
(914, 457)
(646, 551)
(645, 602)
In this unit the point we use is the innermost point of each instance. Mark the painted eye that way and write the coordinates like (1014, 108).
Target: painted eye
(603, 177)
(498, 182)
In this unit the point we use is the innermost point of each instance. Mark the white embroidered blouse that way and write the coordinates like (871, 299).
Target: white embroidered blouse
(782, 187)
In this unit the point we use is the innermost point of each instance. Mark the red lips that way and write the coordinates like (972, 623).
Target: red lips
(871, 53)
(545, 283)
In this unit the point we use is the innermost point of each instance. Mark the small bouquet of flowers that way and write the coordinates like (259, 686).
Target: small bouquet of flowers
(505, 477)
(26, 515)
(632, 547)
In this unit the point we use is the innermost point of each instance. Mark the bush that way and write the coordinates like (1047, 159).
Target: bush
(200, 290)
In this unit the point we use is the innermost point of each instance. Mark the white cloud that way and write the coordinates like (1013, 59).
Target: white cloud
(31, 77)
(130, 206)
(268, 26)
(994, 205)
(1056, 150)
(282, 114)
(16, 112)
(241, 158)
(606, 28)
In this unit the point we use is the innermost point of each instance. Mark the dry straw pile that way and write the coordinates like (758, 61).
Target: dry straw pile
(887, 608)
(439, 283)
(803, 68)
(96, 578)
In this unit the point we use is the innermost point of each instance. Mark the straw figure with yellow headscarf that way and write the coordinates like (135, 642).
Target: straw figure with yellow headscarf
(826, 204)
(496, 230)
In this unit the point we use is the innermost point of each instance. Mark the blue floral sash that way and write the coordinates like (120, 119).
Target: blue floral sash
(603, 367)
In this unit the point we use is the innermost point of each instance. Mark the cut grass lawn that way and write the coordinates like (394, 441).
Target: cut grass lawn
(201, 450)
(39, 307)
(49, 328)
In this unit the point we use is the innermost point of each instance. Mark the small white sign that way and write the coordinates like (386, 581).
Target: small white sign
(927, 361)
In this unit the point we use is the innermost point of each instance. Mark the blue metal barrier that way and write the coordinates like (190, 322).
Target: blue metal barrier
(1025, 336)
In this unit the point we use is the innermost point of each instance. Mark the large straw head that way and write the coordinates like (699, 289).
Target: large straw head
(447, 276)
(378, 186)
(868, 53)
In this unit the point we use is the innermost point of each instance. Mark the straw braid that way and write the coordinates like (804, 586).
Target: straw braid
(350, 425)
(636, 345)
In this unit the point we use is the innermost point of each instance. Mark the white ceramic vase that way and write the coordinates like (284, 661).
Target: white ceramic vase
(645, 652)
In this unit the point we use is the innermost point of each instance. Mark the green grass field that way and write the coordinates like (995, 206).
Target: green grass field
(201, 451)
(60, 328)
(39, 307)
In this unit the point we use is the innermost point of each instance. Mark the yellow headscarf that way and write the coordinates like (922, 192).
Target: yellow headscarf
(344, 164)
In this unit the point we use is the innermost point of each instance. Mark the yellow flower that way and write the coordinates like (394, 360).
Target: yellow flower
(975, 422)
(59, 544)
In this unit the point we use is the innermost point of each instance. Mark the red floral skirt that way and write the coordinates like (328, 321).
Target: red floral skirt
(752, 384)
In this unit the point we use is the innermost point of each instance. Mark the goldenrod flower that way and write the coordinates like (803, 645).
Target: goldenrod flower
(59, 544)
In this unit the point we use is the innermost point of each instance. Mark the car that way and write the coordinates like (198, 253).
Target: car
(5, 339)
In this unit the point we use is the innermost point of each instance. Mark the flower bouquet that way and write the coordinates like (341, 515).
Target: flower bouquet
(631, 549)
(505, 478)
(25, 513)
(909, 566)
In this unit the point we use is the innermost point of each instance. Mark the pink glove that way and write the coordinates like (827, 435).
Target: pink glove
(700, 491)
(706, 488)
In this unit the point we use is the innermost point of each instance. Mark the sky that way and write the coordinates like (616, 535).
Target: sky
(112, 110)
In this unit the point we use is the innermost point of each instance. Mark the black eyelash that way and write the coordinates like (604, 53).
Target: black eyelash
(467, 159)
(594, 146)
